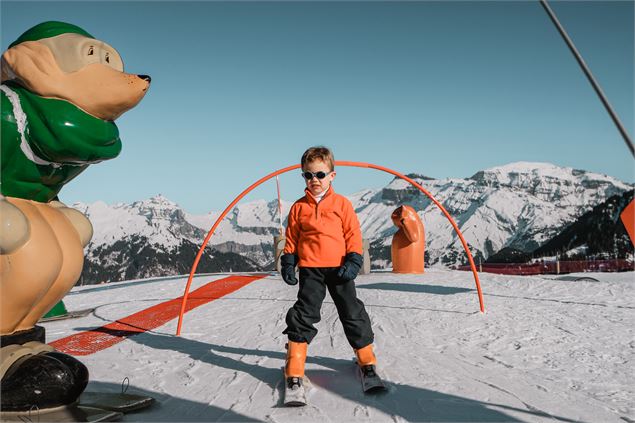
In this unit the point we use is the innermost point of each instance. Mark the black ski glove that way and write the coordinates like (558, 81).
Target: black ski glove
(287, 268)
(349, 270)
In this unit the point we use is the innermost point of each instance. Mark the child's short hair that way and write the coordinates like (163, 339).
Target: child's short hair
(319, 152)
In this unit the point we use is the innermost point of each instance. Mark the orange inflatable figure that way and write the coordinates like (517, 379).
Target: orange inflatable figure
(408, 244)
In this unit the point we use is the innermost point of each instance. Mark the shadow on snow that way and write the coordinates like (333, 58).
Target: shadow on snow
(407, 287)
(170, 409)
(409, 402)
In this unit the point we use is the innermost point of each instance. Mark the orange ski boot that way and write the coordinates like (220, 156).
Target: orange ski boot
(366, 356)
(371, 382)
(294, 394)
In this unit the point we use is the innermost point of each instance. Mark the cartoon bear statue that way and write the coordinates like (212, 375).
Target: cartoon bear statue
(61, 91)
(408, 243)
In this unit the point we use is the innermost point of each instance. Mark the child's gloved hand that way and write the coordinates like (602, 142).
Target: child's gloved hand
(287, 268)
(349, 270)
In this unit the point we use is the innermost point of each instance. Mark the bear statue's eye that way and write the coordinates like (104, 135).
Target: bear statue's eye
(90, 51)
(107, 58)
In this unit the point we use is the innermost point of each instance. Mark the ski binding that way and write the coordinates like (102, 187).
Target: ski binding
(294, 391)
(371, 382)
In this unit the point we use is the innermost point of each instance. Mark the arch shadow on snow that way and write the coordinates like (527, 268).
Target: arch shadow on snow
(408, 402)
(420, 288)
(168, 408)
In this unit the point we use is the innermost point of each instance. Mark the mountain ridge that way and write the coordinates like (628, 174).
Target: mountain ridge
(519, 206)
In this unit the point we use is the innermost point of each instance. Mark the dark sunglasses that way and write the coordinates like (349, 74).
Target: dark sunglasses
(309, 175)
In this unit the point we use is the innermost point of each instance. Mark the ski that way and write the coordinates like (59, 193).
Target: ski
(92, 407)
(63, 414)
(121, 402)
(294, 391)
(371, 381)
(69, 315)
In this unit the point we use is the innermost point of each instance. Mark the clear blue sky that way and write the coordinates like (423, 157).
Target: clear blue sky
(240, 89)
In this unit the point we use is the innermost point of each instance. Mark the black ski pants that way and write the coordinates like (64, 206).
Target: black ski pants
(314, 281)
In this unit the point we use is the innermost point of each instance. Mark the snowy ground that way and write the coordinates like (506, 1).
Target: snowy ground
(544, 350)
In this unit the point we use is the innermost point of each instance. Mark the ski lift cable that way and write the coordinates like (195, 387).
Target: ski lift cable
(589, 75)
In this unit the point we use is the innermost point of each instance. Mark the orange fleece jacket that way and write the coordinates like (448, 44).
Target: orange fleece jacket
(321, 234)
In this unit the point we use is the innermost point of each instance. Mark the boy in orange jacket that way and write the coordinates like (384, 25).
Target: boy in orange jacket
(324, 239)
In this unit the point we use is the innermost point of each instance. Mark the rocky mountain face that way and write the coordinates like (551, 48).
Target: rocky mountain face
(519, 206)
(153, 238)
(597, 233)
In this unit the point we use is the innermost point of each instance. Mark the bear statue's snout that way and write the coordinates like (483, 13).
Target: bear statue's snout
(145, 78)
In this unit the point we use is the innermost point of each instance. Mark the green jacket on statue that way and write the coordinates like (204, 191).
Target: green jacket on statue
(47, 142)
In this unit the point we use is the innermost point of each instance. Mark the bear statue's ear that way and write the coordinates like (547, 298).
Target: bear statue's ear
(33, 64)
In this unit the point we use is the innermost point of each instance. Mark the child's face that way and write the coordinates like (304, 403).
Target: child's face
(315, 185)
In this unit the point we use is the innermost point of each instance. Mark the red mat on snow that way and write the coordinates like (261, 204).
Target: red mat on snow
(98, 339)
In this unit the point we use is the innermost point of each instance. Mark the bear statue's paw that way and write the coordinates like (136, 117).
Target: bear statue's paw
(79, 220)
(15, 229)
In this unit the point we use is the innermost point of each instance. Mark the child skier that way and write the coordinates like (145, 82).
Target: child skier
(323, 238)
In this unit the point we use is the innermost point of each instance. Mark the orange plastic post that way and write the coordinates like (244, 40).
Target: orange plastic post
(337, 163)
(628, 219)
(408, 243)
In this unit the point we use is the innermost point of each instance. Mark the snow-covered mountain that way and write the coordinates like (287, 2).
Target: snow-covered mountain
(596, 233)
(520, 205)
(154, 238)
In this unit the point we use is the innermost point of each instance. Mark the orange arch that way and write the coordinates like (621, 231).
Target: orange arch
(337, 163)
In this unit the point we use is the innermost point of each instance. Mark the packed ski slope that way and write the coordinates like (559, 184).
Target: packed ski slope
(545, 350)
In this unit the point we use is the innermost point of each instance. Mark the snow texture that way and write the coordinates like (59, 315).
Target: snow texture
(545, 350)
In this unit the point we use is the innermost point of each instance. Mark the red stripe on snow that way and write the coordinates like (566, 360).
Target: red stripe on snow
(89, 342)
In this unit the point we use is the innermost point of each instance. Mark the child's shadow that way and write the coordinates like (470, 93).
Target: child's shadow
(409, 402)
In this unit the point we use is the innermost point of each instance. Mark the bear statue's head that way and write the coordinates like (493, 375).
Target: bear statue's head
(62, 61)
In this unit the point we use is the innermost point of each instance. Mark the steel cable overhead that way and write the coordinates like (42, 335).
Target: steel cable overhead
(589, 75)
